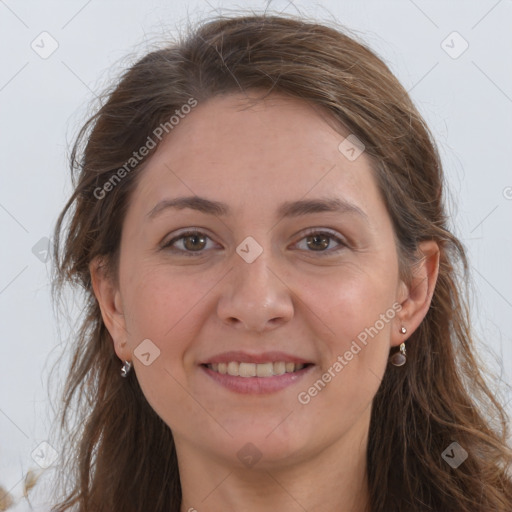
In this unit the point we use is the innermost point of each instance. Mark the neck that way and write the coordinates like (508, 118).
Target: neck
(332, 479)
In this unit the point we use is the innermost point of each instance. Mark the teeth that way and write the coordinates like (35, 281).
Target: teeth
(244, 370)
(279, 368)
(263, 370)
(255, 370)
(232, 368)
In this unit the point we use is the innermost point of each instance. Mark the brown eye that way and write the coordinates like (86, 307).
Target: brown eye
(322, 242)
(318, 242)
(194, 242)
(188, 243)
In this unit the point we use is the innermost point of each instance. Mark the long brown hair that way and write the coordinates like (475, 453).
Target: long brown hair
(120, 454)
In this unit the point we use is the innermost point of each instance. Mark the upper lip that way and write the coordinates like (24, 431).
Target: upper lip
(262, 357)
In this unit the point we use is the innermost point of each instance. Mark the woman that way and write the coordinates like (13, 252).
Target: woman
(275, 317)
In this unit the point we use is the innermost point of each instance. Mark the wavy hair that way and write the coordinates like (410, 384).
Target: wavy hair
(120, 454)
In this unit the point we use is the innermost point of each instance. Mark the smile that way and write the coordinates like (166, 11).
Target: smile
(270, 369)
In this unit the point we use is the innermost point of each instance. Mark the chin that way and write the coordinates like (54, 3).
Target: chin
(260, 446)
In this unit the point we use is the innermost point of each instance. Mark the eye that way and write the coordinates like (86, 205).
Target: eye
(194, 242)
(190, 241)
(319, 241)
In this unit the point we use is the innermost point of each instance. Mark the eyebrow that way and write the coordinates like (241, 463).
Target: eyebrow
(286, 209)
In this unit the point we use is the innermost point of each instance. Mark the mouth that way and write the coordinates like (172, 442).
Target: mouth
(262, 370)
(266, 376)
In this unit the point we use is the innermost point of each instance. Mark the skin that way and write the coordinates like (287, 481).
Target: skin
(290, 298)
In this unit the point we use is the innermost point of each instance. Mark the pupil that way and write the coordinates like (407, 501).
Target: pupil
(324, 240)
(195, 238)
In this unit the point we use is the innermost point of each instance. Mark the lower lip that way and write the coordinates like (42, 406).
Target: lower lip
(257, 385)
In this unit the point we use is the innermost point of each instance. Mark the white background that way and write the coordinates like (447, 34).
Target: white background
(467, 101)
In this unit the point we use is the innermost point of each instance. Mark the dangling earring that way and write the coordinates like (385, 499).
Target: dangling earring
(399, 358)
(125, 370)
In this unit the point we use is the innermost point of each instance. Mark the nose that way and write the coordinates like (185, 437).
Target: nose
(254, 297)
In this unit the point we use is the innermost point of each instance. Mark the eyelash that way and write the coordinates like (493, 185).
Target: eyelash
(310, 232)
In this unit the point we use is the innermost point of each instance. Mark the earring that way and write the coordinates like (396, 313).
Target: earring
(399, 358)
(125, 370)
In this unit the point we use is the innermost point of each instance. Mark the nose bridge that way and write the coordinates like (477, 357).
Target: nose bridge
(255, 297)
(254, 281)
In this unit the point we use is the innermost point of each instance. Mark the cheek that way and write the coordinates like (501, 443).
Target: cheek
(357, 315)
(164, 309)
(160, 304)
(352, 301)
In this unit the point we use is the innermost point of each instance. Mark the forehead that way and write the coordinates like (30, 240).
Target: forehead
(244, 152)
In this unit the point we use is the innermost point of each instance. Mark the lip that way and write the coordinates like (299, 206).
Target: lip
(262, 357)
(256, 385)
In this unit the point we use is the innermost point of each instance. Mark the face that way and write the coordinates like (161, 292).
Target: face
(286, 255)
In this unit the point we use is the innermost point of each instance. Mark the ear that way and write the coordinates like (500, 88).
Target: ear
(109, 299)
(415, 297)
